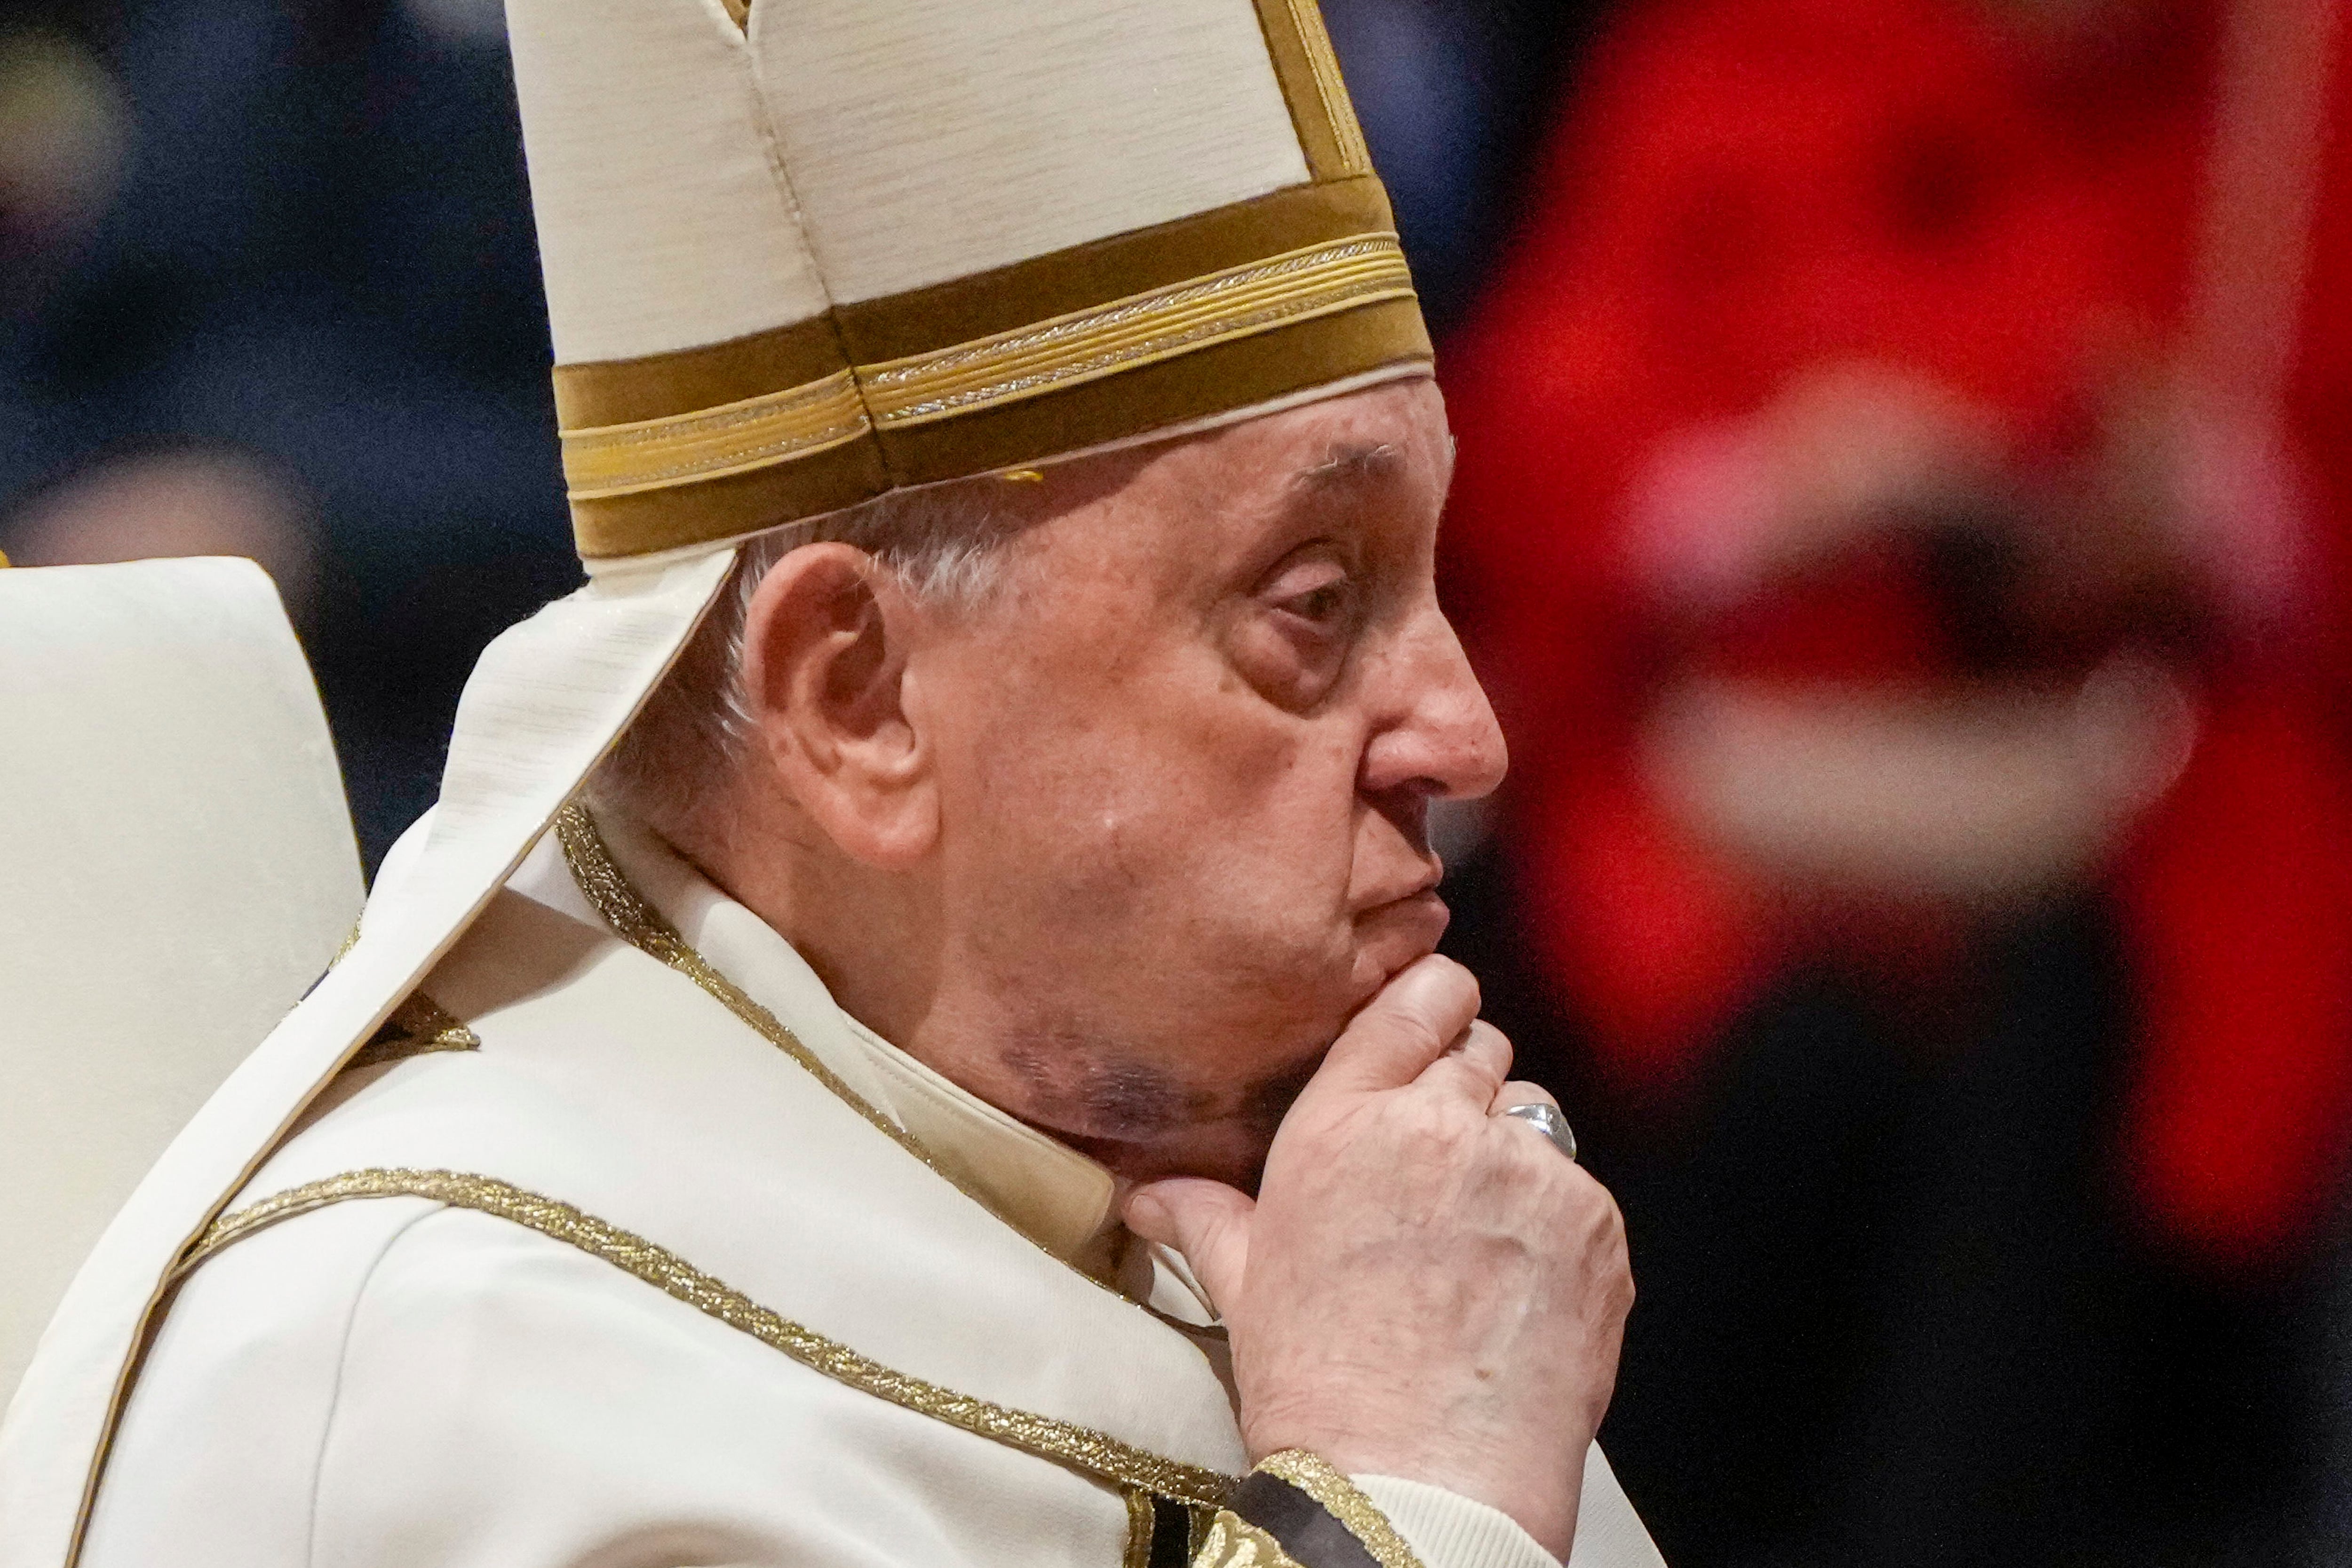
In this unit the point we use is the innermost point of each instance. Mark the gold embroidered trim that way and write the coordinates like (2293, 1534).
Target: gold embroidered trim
(416, 1026)
(1081, 1448)
(1142, 329)
(635, 921)
(1232, 1541)
(605, 460)
(1338, 109)
(1312, 1474)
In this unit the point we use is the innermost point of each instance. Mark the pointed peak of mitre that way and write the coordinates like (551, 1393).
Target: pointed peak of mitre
(801, 252)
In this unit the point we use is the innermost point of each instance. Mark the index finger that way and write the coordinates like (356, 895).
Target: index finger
(1400, 1032)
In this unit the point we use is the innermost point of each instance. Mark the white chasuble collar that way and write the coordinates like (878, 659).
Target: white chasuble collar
(1052, 1194)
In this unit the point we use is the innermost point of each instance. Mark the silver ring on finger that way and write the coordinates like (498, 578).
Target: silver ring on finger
(1547, 1121)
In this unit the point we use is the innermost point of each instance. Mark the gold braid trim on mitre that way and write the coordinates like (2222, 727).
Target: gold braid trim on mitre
(1155, 329)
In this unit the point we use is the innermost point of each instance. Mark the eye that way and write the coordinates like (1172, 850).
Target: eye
(1324, 603)
(1317, 592)
(1293, 637)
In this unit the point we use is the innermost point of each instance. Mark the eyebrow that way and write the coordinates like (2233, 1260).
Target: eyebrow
(1350, 464)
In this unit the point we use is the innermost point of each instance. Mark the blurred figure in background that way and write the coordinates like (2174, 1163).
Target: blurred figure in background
(1454, 96)
(177, 503)
(267, 269)
(1901, 518)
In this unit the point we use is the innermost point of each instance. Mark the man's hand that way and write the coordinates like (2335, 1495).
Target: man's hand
(1422, 1289)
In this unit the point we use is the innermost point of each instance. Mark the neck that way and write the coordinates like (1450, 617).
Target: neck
(867, 934)
(876, 940)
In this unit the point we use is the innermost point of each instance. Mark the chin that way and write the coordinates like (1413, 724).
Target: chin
(1224, 1138)
(1213, 1110)
(1394, 937)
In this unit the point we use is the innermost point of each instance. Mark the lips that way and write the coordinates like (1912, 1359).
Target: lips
(1424, 882)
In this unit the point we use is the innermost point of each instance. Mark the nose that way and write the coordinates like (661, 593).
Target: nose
(1442, 740)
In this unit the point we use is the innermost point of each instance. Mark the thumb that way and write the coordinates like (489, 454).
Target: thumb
(1415, 1021)
(1207, 1221)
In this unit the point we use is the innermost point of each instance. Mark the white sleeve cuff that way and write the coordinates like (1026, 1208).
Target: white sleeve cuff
(1446, 1529)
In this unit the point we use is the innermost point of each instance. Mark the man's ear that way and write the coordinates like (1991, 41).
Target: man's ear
(825, 662)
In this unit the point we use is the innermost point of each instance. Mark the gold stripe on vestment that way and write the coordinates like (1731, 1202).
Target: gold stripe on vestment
(1142, 1520)
(1139, 330)
(604, 461)
(1082, 1448)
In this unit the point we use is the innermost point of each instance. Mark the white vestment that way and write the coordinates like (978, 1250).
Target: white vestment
(764, 1318)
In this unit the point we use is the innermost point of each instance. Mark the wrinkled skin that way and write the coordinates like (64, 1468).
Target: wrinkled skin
(1125, 847)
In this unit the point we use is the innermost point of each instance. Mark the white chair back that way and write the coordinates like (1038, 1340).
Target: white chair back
(176, 867)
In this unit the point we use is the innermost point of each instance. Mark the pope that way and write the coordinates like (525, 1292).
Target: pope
(913, 1034)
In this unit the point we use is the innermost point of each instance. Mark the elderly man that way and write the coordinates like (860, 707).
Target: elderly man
(970, 1073)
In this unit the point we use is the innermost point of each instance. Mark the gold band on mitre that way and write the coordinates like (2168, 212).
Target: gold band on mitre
(1225, 310)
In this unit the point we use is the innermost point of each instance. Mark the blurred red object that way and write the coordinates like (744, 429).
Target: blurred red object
(2011, 227)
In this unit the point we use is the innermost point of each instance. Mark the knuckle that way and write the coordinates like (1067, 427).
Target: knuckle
(1498, 1044)
(1429, 1130)
(1408, 1024)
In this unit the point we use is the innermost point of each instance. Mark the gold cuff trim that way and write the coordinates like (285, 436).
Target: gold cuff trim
(1232, 1541)
(1082, 1448)
(1140, 330)
(1312, 1474)
(604, 461)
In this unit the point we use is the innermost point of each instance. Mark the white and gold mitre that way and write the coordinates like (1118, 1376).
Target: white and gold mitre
(801, 255)
(797, 256)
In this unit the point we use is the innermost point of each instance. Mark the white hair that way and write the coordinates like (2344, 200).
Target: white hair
(942, 544)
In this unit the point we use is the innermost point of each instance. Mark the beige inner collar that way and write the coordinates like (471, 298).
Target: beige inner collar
(1057, 1196)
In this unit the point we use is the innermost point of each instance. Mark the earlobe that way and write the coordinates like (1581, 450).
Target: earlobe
(826, 667)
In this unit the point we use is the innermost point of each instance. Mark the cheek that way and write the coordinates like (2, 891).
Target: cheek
(1204, 822)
